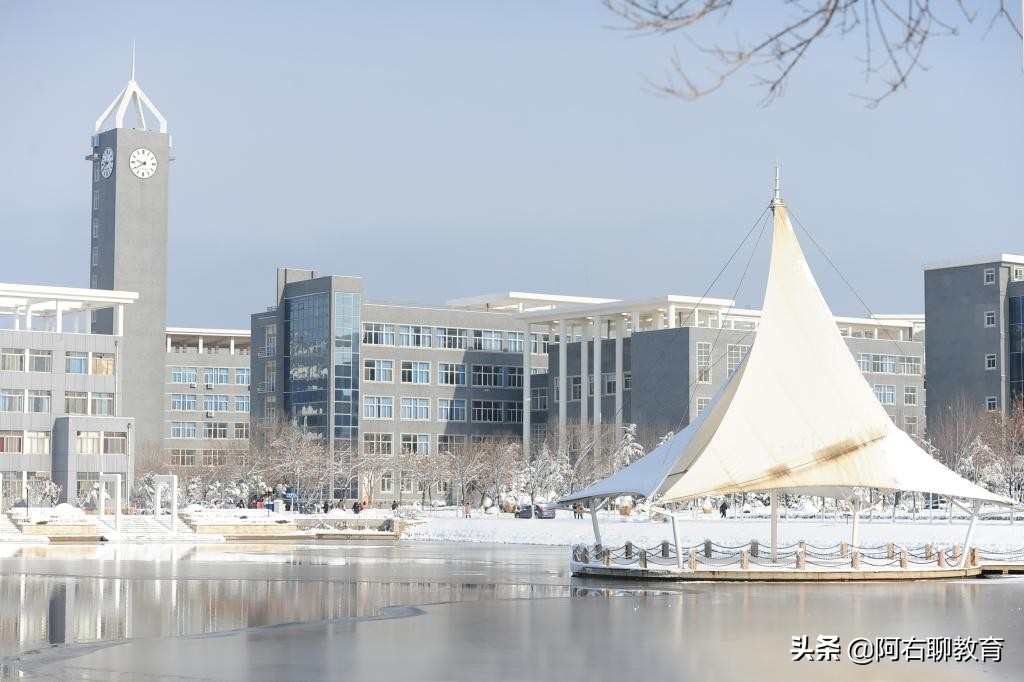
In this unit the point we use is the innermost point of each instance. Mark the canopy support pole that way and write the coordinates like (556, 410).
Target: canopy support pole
(675, 539)
(773, 498)
(856, 522)
(970, 533)
(593, 518)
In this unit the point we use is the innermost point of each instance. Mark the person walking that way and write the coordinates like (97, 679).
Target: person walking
(466, 512)
(723, 508)
(355, 507)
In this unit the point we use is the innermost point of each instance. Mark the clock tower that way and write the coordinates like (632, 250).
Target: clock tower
(128, 248)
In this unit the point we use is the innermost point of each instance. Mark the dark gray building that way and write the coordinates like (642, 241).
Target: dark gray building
(388, 378)
(975, 311)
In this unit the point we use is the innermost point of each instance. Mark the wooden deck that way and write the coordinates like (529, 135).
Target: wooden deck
(793, 575)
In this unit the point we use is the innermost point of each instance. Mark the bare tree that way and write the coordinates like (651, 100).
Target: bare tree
(369, 468)
(895, 36)
(502, 462)
(957, 435)
(1003, 471)
(464, 466)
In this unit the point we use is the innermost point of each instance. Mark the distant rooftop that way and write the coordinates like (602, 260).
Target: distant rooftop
(45, 300)
(974, 260)
(520, 302)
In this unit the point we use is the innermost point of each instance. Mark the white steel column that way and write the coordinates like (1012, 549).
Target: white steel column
(120, 320)
(563, 390)
(672, 316)
(584, 379)
(231, 346)
(773, 498)
(60, 316)
(526, 391)
(593, 519)
(620, 332)
(975, 508)
(856, 523)
(635, 321)
(168, 343)
(598, 380)
(200, 345)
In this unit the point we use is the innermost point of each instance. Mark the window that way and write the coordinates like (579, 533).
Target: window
(386, 484)
(183, 401)
(243, 376)
(183, 458)
(40, 361)
(215, 430)
(590, 385)
(702, 404)
(513, 377)
(515, 342)
(1018, 273)
(183, 375)
(215, 403)
(378, 370)
(909, 364)
(115, 443)
(990, 318)
(703, 362)
(990, 361)
(451, 443)
(910, 395)
(241, 429)
(241, 403)
(87, 443)
(418, 443)
(415, 408)
(449, 337)
(76, 402)
(11, 441)
(95, 255)
(883, 364)
(575, 388)
(487, 375)
(184, 430)
(215, 457)
(451, 374)
(451, 410)
(627, 381)
(12, 360)
(216, 375)
(411, 335)
(484, 339)
(12, 400)
(910, 425)
(990, 276)
(415, 372)
(405, 480)
(864, 362)
(39, 401)
(378, 407)
(991, 403)
(103, 404)
(37, 442)
(507, 411)
(885, 393)
(608, 383)
(734, 356)
(378, 444)
(538, 398)
(539, 343)
(379, 334)
(102, 364)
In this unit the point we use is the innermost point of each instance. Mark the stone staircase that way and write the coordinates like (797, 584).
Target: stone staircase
(145, 529)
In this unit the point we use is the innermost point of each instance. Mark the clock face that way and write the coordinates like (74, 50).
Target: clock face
(143, 163)
(107, 162)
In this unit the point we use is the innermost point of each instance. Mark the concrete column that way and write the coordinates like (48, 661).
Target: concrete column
(200, 345)
(60, 317)
(598, 380)
(28, 317)
(584, 377)
(120, 320)
(635, 321)
(658, 318)
(563, 389)
(231, 345)
(88, 321)
(527, 367)
(620, 333)
(672, 316)
(168, 344)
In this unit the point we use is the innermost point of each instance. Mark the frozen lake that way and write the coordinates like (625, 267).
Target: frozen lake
(442, 611)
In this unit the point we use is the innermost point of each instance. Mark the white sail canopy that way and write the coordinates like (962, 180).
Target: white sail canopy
(796, 416)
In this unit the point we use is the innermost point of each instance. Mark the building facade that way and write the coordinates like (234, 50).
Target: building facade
(387, 378)
(61, 403)
(975, 311)
(206, 395)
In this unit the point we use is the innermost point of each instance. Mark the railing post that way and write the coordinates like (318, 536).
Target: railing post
(928, 552)
(745, 560)
(956, 554)
(855, 559)
(643, 558)
(629, 549)
(607, 557)
(941, 554)
(693, 558)
(844, 549)
(891, 551)
(585, 555)
(801, 558)
(664, 549)
(903, 558)
(753, 548)
(707, 548)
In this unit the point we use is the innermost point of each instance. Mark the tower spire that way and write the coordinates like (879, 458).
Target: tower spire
(130, 96)
(133, 60)
(777, 194)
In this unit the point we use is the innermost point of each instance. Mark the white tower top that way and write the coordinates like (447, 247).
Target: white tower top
(130, 95)
(777, 194)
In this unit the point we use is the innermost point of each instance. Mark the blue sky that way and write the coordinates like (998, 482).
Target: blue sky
(455, 148)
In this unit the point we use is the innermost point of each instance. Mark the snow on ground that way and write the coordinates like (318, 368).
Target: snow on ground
(616, 530)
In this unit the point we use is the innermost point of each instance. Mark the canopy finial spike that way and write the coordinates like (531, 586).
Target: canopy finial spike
(133, 59)
(777, 194)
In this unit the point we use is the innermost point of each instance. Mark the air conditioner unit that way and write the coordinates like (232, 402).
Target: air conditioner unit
(192, 385)
(209, 385)
(209, 413)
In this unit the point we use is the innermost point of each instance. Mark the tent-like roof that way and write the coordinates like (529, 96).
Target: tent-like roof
(796, 416)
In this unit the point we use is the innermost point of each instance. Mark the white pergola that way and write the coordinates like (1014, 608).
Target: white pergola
(31, 307)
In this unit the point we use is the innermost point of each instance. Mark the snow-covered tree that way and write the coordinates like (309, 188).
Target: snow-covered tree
(629, 449)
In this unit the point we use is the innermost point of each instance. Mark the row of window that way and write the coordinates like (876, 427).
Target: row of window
(576, 386)
(188, 458)
(213, 402)
(451, 338)
(86, 442)
(75, 362)
(75, 402)
(420, 443)
(989, 275)
(25, 442)
(211, 375)
(387, 483)
(889, 364)
(448, 409)
(886, 394)
(210, 430)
